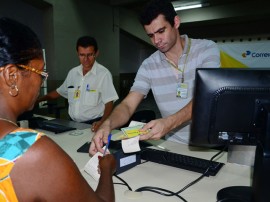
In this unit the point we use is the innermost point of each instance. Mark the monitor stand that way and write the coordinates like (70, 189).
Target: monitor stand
(235, 194)
(259, 191)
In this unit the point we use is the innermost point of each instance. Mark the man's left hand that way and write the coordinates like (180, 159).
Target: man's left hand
(96, 125)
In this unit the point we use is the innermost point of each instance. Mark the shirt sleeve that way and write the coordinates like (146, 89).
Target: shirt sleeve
(108, 92)
(142, 80)
(211, 56)
(63, 89)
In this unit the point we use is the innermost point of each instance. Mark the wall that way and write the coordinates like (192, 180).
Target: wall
(59, 23)
(72, 19)
(24, 13)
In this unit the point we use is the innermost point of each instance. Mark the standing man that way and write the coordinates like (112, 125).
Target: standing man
(88, 87)
(169, 73)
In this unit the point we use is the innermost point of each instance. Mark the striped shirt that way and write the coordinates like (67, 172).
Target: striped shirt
(157, 74)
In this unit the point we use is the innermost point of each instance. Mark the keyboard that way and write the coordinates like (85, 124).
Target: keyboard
(56, 128)
(181, 161)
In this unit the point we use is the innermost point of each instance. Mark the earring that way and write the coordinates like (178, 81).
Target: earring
(13, 91)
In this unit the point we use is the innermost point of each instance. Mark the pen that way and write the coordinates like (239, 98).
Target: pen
(107, 145)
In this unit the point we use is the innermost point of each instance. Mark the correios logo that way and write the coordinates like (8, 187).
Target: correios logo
(245, 54)
(255, 54)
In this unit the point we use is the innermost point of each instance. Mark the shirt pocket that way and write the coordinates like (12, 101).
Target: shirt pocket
(91, 98)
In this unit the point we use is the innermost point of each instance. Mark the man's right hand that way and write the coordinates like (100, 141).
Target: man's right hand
(99, 139)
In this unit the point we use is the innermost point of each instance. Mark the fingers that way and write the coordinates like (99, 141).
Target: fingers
(96, 145)
(95, 126)
(107, 162)
(99, 139)
(152, 130)
(147, 136)
(146, 132)
(92, 149)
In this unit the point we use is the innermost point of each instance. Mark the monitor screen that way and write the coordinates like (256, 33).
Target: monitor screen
(230, 106)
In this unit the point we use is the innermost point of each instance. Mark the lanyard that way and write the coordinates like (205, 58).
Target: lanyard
(176, 67)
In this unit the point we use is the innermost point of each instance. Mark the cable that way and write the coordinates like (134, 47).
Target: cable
(124, 182)
(166, 192)
(170, 193)
(204, 174)
(153, 189)
(150, 189)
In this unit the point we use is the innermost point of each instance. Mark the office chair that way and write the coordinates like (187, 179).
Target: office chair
(142, 116)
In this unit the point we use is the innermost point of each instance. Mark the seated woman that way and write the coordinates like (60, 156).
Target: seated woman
(32, 166)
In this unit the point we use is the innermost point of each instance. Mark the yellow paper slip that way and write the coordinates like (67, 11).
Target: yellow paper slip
(130, 132)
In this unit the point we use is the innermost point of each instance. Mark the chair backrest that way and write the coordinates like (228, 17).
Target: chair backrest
(142, 116)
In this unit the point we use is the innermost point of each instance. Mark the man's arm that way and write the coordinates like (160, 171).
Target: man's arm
(160, 127)
(119, 116)
(50, 96)
(122, 113)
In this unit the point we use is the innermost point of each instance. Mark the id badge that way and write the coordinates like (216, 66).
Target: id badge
(182, 90)
(77, 94)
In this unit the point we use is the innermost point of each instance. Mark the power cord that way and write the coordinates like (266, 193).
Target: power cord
(205, 173)
(123, 182)
(166, 192)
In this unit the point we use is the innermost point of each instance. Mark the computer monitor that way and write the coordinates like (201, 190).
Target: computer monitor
(232, 107)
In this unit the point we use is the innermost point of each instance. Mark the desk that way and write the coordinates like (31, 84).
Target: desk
(152, 174)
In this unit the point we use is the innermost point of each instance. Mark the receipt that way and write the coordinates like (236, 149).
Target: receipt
(91, 166)
(135, 123)
(131, 145)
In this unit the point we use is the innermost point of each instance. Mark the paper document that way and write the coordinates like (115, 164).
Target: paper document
(131, 145)
(91, 166)
(130, 138)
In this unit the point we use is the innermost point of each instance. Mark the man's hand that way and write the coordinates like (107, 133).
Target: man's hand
(96, 125)
(157, 129)
(99, 139)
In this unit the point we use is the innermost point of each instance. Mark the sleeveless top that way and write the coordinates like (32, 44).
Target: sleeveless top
(12, 147)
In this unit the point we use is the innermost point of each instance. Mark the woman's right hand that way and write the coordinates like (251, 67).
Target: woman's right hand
(107, 162)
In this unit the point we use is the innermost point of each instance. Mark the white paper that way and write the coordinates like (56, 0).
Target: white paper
(135, 123)
(91, 166)
(131, 145)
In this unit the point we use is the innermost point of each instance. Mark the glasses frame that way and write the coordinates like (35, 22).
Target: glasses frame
(44, 75)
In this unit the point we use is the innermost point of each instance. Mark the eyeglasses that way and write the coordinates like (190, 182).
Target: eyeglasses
(87, 55)
(44, 75)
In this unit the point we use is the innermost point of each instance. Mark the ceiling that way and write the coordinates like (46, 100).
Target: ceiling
(246, 16)
(137, 4)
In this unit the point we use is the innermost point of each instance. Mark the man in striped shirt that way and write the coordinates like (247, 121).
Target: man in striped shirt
(169, 73)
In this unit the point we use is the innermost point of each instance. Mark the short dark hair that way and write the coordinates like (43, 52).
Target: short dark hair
(18, 43)
(156, 7)
(86, 41)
